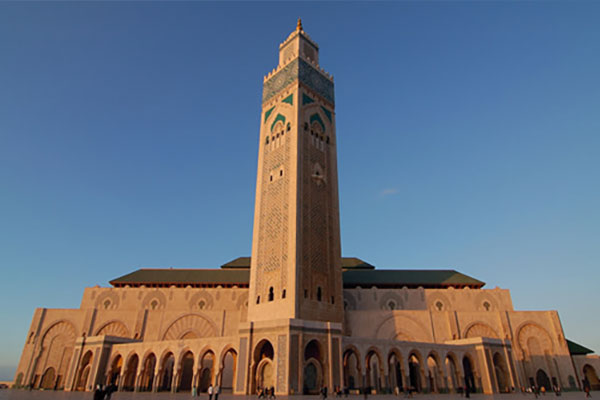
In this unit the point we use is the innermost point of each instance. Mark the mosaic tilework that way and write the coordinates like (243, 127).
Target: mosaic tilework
(316, 117)
(268, 113)
(327, 113)
(279, 117)
(305, 73)
(306, 99)
(289, 99)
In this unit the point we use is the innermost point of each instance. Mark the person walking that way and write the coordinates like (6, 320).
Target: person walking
(216, 392)
(210, 391)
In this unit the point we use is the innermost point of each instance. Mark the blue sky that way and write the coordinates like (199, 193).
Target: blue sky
(468, 138)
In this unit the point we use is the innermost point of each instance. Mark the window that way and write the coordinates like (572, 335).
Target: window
(319, 293)
(280, 172)
(258, 300)
(289, 126)
(439, 305)
(271, 178)
(305, 293)
(306, 126)
(267, 140)
(391, 305)
(202, 304)
(154, 304)
(332, 300)
(283, 294)
(106, 304)
(487, 305)
(271, 295)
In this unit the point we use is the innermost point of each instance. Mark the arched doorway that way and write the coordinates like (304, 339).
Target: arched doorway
(263, 374)
(395, 372)
(148, 373)
(501, 374)
(542, 380)
(167, 372)
(433, 374)
(206, 371)
(187, 372)
(468, 373)
(228, 371)
(591, 377)
(414, 372)
(373, 371)
(454, 382)
(48, 379)
(352, 376)
(84, 371)
(130, 373)
(115, 371)
(313, 368)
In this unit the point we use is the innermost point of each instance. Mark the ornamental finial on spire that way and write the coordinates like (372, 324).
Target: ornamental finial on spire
(299, 26)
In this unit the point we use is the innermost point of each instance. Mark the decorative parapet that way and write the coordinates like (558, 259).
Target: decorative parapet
(304, 71)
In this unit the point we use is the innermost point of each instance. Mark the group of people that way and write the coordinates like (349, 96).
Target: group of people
(266, 393)
(104, 392)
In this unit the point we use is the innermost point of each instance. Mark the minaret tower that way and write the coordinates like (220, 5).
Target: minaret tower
(295, 306)
(296, 264)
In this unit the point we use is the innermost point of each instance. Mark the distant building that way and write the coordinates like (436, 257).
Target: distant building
(297, 316)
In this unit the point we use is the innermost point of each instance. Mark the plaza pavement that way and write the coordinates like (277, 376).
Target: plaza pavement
(13, 394)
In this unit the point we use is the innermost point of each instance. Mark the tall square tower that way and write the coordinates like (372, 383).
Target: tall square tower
(292, 338)
(296, 260)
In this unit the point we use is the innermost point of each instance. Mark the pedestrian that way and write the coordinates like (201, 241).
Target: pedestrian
(210, 391)
(366, 389)
(98, 393)
(324, 393)
(587, 391)
(216, 392)
(272, 393)
(194, 392)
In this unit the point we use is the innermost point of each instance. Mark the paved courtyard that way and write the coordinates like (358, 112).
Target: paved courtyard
(59, 395)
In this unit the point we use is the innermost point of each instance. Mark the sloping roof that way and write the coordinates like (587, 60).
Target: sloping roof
(240, 262)
(428, 278)
(576, 349)
(178, 277)
(347, 263)
(355, 272)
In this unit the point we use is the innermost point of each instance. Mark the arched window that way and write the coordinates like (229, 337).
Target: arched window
(332, 300)
(271, 295)
(258, 300)
(319, 293)
(283, 294)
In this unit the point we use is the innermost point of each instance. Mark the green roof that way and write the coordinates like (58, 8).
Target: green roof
(429, 278)
(356, 272)
(178, 277)
(576, 349)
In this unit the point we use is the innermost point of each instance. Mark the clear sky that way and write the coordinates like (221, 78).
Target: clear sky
(468, 138)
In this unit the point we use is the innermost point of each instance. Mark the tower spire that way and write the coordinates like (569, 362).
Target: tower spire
(299, 26)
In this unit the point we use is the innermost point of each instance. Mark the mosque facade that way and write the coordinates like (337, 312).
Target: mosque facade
(296, 316)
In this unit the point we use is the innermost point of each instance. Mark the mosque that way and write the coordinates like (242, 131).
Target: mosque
(296, 316)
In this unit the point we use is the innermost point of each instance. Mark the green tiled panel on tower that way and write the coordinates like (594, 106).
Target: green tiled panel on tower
(289, 99)
(316, 117)
(327, 113)
(279, 117)
(306, 99)
(268, 113)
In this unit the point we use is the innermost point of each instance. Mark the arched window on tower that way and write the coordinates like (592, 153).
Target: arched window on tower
(271, 295)
(258, 300)
(283, 294)
(319, 293)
